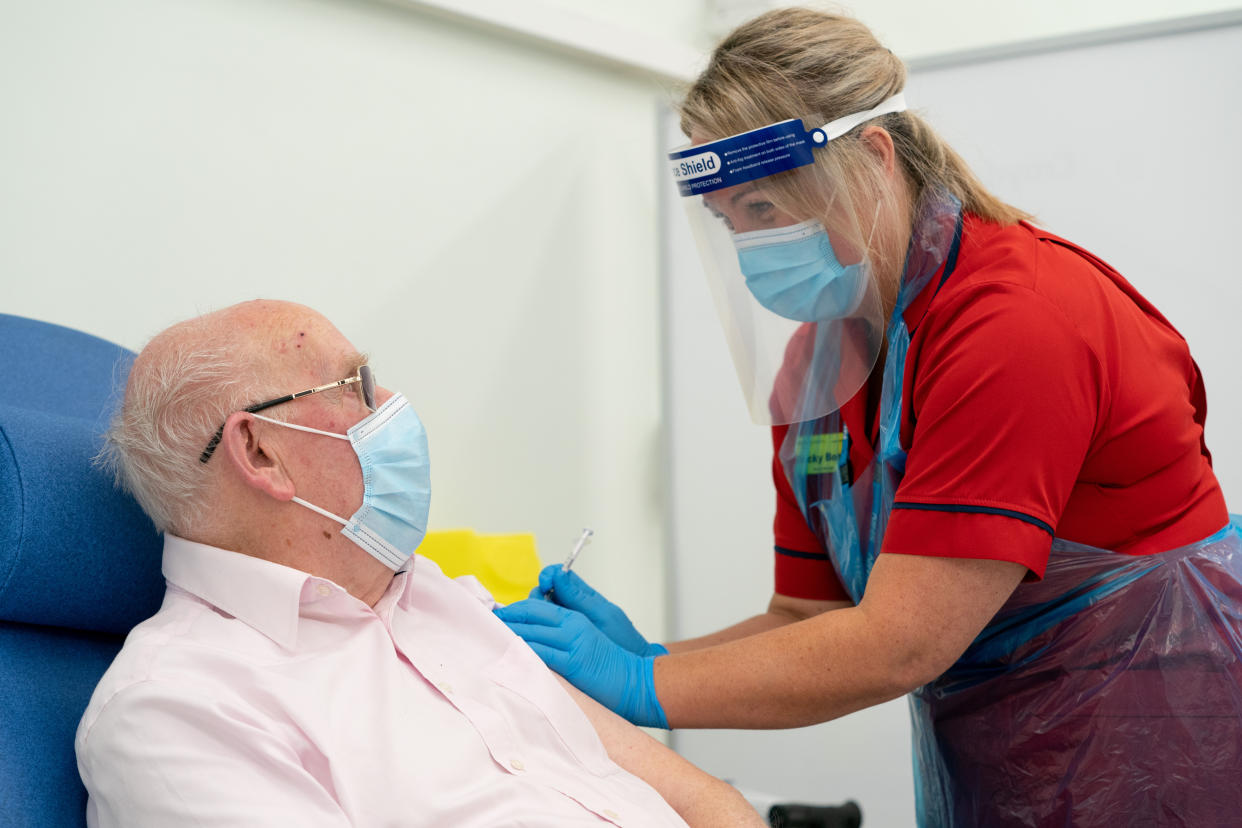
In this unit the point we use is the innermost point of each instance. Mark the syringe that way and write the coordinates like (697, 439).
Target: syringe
(583, 539)
(573, 556)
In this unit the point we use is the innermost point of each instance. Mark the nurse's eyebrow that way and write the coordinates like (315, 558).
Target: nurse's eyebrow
(736, 196)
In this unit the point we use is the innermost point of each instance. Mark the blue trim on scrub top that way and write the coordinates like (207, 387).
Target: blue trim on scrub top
(975, 510)
(950, 263)
(793, 553)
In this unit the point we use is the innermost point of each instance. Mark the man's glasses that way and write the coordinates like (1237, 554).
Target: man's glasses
(366, 386)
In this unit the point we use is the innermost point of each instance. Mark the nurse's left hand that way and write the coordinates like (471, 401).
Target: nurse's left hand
(570, 591)
(571, 645)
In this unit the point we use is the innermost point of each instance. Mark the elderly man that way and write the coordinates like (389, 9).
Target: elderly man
(301, 673)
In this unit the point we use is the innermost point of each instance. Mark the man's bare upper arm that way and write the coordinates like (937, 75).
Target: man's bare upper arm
(700, 798)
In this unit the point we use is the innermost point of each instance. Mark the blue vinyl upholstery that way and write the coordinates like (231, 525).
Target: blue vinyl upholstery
(79, 561)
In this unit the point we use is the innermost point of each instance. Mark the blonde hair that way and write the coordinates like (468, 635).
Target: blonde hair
(818, 66)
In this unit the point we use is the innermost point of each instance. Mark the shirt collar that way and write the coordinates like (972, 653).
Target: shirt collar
(265, 595)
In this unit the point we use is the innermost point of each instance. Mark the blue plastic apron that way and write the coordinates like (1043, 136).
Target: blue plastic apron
(1107, 693)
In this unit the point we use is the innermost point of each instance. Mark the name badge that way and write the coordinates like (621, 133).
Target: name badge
(823, 452)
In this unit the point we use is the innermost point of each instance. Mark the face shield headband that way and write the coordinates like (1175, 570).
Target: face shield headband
(762, 152)
(803, 318)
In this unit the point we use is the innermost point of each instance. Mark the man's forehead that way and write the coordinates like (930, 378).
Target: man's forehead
(302, 339)
(326, 358)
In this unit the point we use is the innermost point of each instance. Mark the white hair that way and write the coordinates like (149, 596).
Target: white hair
(181, 389)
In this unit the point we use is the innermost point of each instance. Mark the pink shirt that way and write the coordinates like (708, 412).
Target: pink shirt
(261, 695)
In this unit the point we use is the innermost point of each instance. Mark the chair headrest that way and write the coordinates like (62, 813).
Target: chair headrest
(74, 551)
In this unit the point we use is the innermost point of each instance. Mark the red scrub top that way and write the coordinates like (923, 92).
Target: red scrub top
(1042, 396)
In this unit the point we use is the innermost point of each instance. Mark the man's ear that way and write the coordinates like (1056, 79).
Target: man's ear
(256, 462)
(880, 144)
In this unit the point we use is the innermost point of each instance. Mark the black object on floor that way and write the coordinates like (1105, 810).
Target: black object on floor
(792, 815)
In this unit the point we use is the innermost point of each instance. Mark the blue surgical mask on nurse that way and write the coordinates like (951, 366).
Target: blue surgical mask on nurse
(794, 272)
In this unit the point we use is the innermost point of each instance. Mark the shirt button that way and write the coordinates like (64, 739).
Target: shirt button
(611, 814)
(445, 688)
(517, 764)
(324, 590)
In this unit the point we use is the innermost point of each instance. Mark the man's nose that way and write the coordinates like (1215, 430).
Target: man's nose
(382, 395)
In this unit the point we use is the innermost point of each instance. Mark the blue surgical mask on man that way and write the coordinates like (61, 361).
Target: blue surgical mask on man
(794, 272)
(391, 445)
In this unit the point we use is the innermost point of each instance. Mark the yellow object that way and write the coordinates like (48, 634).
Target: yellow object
(507, 565)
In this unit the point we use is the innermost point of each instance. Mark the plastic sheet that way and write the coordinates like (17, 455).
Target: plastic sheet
(1109, 693)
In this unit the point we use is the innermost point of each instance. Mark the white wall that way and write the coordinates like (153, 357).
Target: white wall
(475, 212)
(919, 30)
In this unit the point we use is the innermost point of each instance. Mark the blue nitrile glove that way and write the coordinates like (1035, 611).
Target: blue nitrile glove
(571, 645)
(570, 591)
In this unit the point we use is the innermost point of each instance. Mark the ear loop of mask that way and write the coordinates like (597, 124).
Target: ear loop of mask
(866, 263)
(310, 430)
(307, 429)
(875, 223)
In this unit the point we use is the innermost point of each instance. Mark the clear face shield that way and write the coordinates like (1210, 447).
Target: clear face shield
(785, 254)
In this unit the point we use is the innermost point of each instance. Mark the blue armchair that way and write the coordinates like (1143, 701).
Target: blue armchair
(79, 561)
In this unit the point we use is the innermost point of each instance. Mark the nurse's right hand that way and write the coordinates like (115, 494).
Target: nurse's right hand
(571, 592)
(571, 645)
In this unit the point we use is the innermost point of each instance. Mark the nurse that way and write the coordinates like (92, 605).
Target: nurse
(993, 491)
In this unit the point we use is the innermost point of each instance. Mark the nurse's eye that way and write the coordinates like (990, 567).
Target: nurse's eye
(760, 210)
